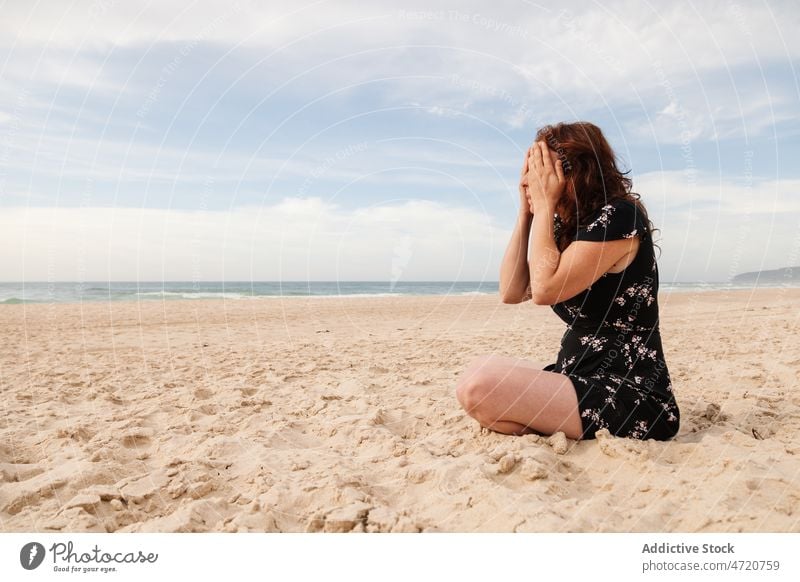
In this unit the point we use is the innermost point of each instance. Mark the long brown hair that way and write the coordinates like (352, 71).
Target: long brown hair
(593, 177)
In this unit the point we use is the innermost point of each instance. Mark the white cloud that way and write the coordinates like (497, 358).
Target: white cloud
(709, 230)
(712, 229)
(296, 239)
(676, 191)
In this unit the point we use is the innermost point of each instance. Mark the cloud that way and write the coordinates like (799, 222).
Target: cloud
(676, 191)
(712, 229)
(294, 239)
(709, 230)
(564, 60)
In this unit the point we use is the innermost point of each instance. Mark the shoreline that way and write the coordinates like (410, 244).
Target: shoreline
(232, 295)
(778, 289)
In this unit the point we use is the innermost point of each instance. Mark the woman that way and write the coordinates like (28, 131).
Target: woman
(592, 261)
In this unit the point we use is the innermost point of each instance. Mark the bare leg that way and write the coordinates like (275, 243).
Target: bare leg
(510, 427)
(516, 396)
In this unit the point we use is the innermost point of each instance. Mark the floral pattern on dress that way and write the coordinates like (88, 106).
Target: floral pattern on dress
(670, 409)
(594, 415)
(639, 429)
(642, 290)
(604, 218)
(575, 312)
(642, 350)
(568, 362)
(597, 343)
(626, 326)
(637, 348)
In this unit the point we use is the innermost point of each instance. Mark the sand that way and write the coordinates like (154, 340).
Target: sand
(339, 415)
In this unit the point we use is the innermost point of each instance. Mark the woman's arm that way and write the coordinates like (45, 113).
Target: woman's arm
(545, 256)
(515, 276)
(547, 185)
(515, 279)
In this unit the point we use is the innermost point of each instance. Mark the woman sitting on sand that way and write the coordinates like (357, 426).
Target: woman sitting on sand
(592, 261)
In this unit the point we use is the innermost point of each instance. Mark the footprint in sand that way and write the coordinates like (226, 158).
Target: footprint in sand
(16, 496)
(288, 438)
(202, 410)
(714, 412)
(14, 472)
(77, 433)
(398, 422)
(458, 478)
(350, 518)
(137, 437)
(203, 393)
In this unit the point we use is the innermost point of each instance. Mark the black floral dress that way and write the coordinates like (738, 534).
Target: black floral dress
(612, 349)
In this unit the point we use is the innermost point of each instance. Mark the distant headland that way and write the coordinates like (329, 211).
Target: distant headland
(782, 275)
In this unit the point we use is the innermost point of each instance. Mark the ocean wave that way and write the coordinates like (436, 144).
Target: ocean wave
(194, 294)
(337, 296)
(16, 301)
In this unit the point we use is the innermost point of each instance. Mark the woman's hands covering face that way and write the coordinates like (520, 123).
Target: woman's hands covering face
(545, 182)
(525, 205)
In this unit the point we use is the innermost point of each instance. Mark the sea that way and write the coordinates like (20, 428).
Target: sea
(93, 291)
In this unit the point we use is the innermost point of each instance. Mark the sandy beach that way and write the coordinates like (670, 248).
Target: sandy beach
(339, 414)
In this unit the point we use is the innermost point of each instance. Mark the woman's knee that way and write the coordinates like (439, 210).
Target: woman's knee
(467, 394)
(472, 391)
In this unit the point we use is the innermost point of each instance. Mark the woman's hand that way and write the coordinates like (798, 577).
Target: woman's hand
(525, 205)
(546, 182)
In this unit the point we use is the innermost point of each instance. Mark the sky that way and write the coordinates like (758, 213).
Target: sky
(324, 141)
